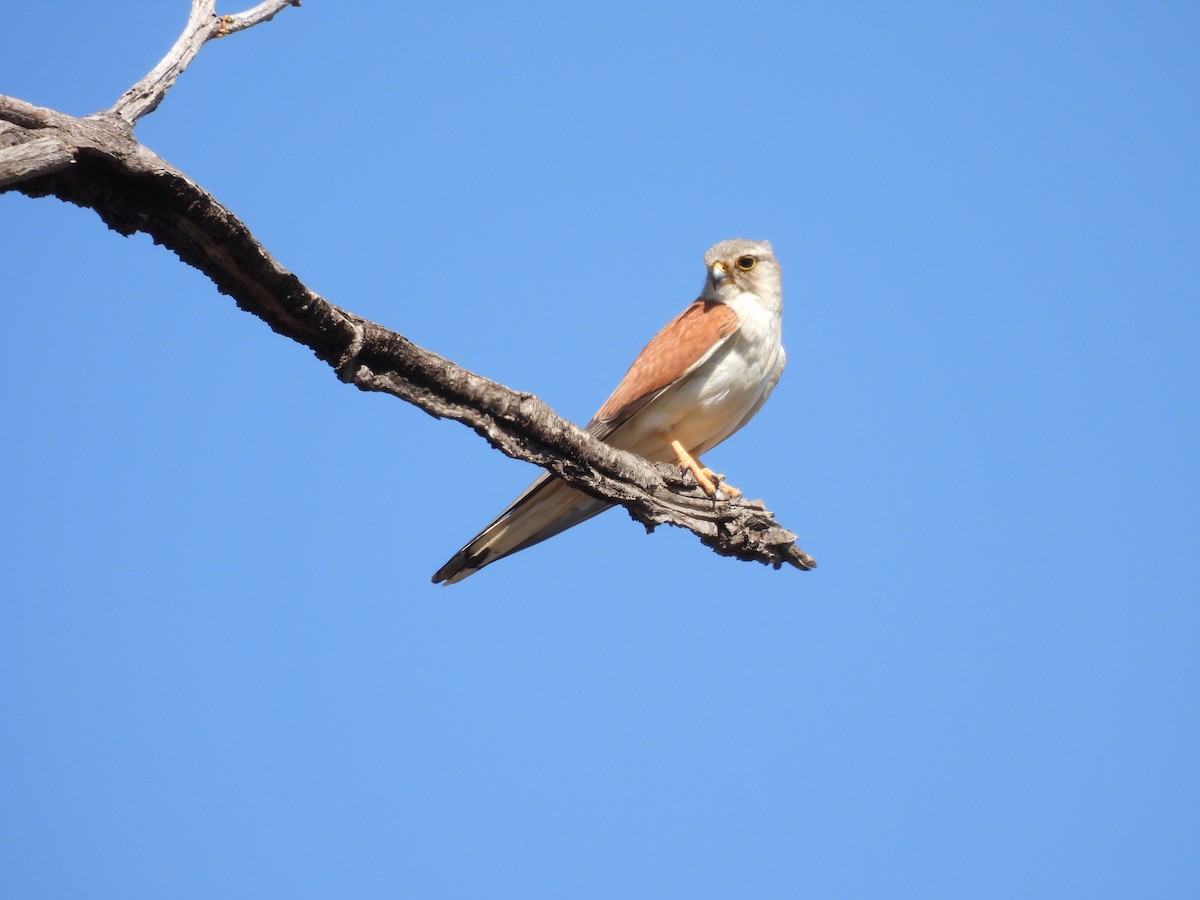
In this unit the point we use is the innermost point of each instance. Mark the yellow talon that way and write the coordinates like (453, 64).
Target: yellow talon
(705, 477)
(719, 480)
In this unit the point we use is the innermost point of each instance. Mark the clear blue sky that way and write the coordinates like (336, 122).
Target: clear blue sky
(223, 670)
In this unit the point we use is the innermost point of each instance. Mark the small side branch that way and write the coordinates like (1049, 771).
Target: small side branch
(264, 12)
(39, 156)
(202, 26)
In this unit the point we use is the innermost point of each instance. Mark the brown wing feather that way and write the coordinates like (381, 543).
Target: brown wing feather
(671, 353)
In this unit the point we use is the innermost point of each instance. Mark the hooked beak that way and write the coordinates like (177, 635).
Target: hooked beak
(717, 274)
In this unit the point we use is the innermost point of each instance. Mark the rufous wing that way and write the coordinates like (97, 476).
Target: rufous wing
(684, 343)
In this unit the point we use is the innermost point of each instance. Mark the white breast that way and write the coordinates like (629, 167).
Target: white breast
(719, 397)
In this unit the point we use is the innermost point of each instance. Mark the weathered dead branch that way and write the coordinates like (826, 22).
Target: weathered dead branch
(96, 162)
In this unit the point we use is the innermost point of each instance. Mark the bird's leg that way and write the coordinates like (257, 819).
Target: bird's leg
(691, 464)
(705, 477)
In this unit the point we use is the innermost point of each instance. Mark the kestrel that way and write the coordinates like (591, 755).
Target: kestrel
(698, 381)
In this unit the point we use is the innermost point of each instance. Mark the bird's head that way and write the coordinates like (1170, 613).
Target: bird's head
(740, 266)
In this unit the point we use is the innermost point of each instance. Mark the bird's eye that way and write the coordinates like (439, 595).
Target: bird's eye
(746, 263)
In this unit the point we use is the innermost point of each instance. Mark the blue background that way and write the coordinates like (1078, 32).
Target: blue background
(223, 671)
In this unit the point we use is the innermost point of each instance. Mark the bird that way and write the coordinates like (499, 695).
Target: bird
(700, 379)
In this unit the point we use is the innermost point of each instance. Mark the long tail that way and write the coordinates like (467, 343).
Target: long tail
(547, 508)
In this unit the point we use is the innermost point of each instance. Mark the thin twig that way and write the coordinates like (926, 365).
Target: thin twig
(264, 12)
(203, 25)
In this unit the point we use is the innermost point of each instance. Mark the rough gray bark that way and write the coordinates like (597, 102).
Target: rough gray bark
(96, 162)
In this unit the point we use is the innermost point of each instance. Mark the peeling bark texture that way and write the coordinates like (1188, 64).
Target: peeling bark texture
(96, 162)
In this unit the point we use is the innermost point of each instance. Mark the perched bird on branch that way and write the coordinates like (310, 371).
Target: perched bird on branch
(698, 381)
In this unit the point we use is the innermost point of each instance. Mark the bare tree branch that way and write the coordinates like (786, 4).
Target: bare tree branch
(95, 162)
